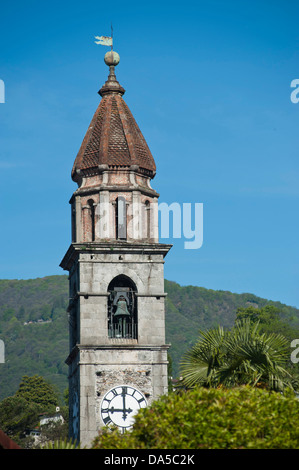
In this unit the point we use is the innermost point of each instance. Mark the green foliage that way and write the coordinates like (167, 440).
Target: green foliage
(242, 355)
(270, 320)
(264, 315)
(238, 418)
(54, 431)
(21, 412)
(35, 331)
(190, 309)
(36, 390)
(60, 444)
(66, 396)
(17, 415)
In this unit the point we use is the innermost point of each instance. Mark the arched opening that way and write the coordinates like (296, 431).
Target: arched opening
(74, 228)
(92, 218)
(122, 308)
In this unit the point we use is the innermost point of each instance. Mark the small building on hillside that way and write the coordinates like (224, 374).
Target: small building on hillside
(48, 419)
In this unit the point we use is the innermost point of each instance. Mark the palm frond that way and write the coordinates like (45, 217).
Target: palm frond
(243, 355)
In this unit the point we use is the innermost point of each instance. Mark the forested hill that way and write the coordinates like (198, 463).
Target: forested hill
(34, 324)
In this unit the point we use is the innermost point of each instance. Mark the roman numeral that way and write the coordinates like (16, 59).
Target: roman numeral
(107, 420)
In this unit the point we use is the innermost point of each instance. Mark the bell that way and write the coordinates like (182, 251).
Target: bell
(122, 310)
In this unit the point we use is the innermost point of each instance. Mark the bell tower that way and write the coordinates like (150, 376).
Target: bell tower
(118, 356)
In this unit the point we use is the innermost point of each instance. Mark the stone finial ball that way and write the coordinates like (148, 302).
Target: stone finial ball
(111, 58)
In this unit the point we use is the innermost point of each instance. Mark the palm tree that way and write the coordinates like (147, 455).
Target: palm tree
(240, 356)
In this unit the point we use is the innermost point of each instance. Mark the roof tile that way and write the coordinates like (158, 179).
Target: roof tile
(114, 139)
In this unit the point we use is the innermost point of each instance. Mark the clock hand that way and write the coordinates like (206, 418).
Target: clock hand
(112, 410)
(124, 405)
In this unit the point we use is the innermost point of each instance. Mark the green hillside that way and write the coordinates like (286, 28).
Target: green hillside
(34, 328)
(190, 309)
(34, 324)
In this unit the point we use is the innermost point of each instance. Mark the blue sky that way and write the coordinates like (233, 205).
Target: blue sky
(209, 85)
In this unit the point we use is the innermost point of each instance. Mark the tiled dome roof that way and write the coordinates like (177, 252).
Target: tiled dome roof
(113, 137)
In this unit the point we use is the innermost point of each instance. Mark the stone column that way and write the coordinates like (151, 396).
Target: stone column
(79, 232)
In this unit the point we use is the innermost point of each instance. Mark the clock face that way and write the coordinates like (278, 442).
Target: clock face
(120, 404)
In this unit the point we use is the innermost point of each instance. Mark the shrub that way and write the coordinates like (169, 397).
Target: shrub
(237, 418)
(60, 444)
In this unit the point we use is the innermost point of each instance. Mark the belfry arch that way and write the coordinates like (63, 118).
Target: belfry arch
(122, 308)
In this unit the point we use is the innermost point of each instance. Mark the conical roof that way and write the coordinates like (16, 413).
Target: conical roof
(113, 138)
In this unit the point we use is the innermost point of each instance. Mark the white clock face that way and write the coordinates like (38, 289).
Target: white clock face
(120, 405)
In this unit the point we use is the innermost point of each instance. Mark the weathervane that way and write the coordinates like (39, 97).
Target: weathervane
(105, 40)
(111, 58)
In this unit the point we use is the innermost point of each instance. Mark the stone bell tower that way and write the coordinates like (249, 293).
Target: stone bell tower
(118, 356)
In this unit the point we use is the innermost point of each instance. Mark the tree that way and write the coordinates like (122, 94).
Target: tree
(16, 416)
(36, 390)
(236, 357)
(264, 315)
(66, 396)
(21, 412)
(269, 320)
